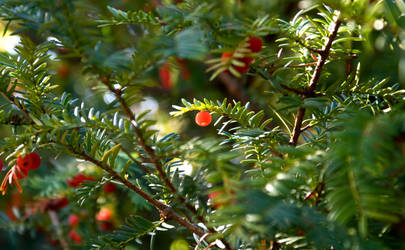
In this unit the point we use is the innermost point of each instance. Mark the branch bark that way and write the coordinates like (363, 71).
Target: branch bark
(323, 56)
(166, 211)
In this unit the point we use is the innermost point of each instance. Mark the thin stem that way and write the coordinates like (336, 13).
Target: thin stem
(154, 159)
(141, 140)
(297, 126)
(12, 99)
(55, 222)
(297, 91)
(324, 54)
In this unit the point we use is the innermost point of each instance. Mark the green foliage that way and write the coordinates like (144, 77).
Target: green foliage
(135, 228)
(309, 153)
(120, 17)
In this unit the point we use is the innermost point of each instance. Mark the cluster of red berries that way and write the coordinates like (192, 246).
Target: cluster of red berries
(254, 44)
(74, 221)
(30, 161)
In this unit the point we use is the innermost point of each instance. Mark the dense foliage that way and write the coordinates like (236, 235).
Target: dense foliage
(305, 149)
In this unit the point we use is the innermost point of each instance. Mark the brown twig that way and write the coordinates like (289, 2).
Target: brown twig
(154, 159)
(55, 222)
(12, 99)
(297, 91)
(324, 53)
(166, 211)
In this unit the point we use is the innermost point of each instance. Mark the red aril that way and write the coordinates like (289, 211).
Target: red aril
(30, 161)
(203, 118)
(73, 220)
(104, 214)
(255, 44)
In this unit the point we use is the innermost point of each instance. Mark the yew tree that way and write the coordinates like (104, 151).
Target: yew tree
(202, 124)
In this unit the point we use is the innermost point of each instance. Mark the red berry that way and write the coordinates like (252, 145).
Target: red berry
(1, 164)
(203, 118)
(73, 220)
(30, 161)
(165, 76)
(255, 44)
(246, 61)
(109, 187)
(35, 160)
(75, 236)
(104, 214)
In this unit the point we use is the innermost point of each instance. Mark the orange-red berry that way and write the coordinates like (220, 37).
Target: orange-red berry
(104, 214)
(255, 44)
(203, 118)
(75, 236)
(73, 220)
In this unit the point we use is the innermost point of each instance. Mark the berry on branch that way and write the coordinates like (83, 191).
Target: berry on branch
(73, 220)
(20, 170)
(30, 161)
(255, 44)
(104, 214)
(241, 69)
(203, 118)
